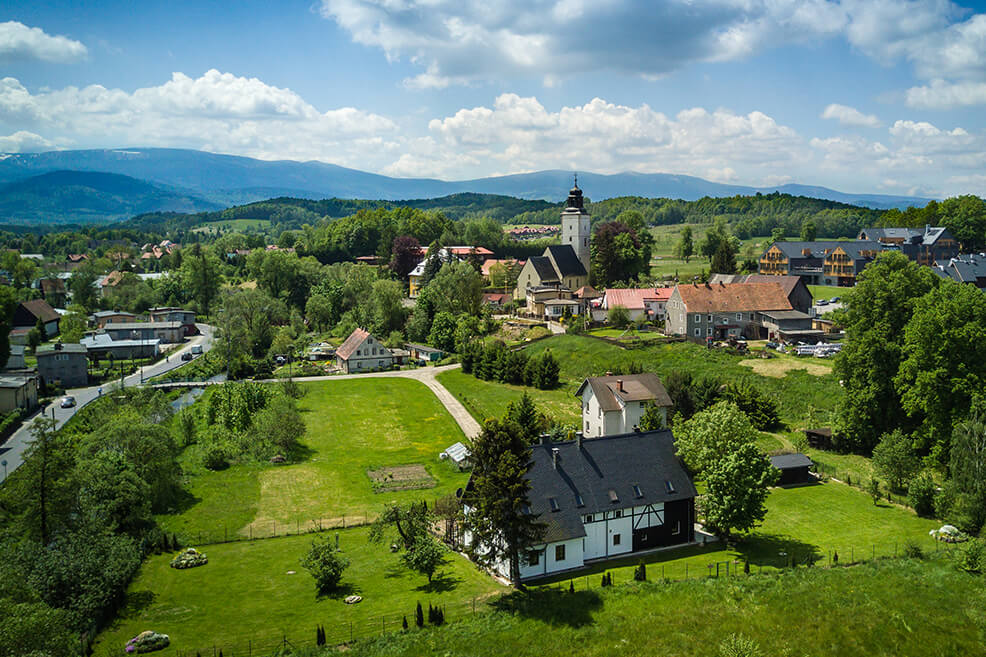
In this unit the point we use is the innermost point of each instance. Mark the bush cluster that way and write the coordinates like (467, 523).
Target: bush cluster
(495, 362)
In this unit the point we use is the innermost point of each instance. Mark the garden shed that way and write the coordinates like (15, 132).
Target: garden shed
(795, 468)
(458, 454)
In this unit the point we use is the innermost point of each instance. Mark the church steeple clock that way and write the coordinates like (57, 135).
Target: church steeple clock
(575, 225)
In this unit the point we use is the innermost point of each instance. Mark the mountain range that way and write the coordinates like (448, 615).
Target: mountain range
(87, 186)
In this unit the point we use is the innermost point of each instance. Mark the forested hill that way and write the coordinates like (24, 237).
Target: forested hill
(749, 215)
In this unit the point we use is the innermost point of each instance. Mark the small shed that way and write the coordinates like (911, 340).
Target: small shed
(424, 354)
(795, 468)
(820, 438)
(458, 454)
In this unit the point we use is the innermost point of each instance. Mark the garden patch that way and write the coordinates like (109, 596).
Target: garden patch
(401, 477)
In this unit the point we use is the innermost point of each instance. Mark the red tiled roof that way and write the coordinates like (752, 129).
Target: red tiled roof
(489, 262)
(496, 297)
(355, 339)
(633, 298)
(733, 297)
(462, 251)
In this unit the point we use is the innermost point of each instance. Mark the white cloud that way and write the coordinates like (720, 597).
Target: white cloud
(946, 95)
(20, 42)
(850, 116)
(23, 141)
(217, 111)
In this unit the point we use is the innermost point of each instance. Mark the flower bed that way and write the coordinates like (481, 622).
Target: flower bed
(147, 641)
(189, 558)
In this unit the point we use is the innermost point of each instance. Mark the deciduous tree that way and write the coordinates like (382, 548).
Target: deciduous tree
(736, 490)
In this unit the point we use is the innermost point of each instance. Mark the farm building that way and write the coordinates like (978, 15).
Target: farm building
(795, 468)
(605, 498)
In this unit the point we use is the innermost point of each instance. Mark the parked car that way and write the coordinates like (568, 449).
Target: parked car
(67, 402)
(187, 356)
(196, 349)
(822, 302)
(835, 300)
(772, 345)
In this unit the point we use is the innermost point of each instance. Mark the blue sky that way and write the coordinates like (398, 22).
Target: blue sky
(859, 95)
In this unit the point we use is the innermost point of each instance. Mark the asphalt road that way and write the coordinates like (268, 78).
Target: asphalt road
(13, 449)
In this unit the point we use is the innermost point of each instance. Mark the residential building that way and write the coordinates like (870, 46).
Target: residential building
(820, 263)
(166, 332)
(15, 361)
(27, 314)
(644, 304)
(103, 317)
(926, 246)
(445, 254)
(102, 345)
(605, 498)
(18, 392)
(172, 314)
(969, 269)
(564, 267)
(701, 311)
(361, 352)
(496, 300)
(797, 291)
(65, 365)
(613, 405)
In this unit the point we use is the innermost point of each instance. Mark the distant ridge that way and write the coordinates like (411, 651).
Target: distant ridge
(189, 180)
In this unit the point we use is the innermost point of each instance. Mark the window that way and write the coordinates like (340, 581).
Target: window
(587, 427)
(613, 497)
(554, 503)
(677, 528)
(668, 486)
(698, 319)
(618, 513)
(588, 518)
(616, 539)
(636, 491)
(710, 319)
(698, 332)
(739, 317)
(533, 558)
(579, 501)
(357, 352)
(708, 331)
(559, 553)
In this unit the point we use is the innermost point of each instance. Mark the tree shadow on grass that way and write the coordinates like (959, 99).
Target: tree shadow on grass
(184, 500)
(135, 603)
(776, 550)
(553, 607)
(341, 592)
(441, 582)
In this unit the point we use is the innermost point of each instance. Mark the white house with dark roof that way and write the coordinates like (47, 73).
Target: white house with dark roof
(613, 405)
(605, 498)
(361, 352)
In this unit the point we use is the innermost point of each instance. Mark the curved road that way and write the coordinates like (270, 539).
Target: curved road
(13, 449)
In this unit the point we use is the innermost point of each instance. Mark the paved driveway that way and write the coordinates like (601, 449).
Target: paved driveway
(13, 449)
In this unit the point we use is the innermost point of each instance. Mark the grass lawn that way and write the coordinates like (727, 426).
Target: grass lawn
(232, 225)
(353, 426)
(826, 291)
(245, 597)
(893, 608)
(485, 399)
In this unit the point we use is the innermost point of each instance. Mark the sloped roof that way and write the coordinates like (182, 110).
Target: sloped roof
(786, 461)
(964, 269)
(853, 248)
(612, 463)
(355, 339)
(735, 297)
(40, 309)
(52, 285)
(489, 262)
(545, 270)
(587, 292)
(566, 259)
(634, 298)
(609, 390)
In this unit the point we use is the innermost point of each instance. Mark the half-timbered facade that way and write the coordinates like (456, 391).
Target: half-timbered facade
(605, 498)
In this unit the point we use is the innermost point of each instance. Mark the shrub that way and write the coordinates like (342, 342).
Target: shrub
(214, 458)
(736, 645)
(973, 556)
(326, 564)
(189, 558)
(913, 551)
(895, 459)
(618, 317)
(419, 616)
(921, 495)
(640, 572)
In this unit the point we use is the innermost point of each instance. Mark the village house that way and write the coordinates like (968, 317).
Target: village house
(643, 304)
(794, 286)
(15, 361)
(103, 317)
(166, 332)
(835, 263)
(361, 352)
(614, 404)
(65, 365)
(173, 314)
(27, 314)
(18, 392)
(605, 498)
(102, 345)
(445, 254)
(703, 311)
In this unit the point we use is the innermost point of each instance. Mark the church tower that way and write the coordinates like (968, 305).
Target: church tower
(575, 225)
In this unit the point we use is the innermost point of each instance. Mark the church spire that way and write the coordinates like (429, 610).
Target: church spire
(575, 196)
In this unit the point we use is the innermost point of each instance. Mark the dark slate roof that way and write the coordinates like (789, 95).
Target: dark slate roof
(39, 309)
(545, 270)
(790, 461)
(635, 387)
(963, 269)
(615, 463)
(853, 248)
(566, 259)
(926, 236)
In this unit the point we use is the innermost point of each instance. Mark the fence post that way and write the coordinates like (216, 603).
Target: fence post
(350, 631)
(852, 555)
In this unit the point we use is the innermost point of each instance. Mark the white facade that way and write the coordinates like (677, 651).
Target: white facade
(597, 422)
(369, 355)
(575, 232)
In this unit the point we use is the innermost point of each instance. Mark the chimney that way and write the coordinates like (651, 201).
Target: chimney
(609, 373)
(545, 438)
(555, 457)
(721, 284)
(578, 439)
(619, 385)
(927, 228)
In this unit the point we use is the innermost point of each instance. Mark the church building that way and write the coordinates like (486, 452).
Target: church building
(552, 277)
